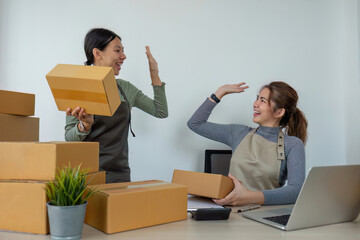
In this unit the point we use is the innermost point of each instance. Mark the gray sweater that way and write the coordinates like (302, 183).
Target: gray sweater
(292, 169)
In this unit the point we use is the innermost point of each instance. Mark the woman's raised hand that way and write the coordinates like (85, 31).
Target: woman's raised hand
(230, 88)
(153, 67)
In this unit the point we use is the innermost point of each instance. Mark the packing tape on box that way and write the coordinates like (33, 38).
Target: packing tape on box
(79, 95)
(134, 186)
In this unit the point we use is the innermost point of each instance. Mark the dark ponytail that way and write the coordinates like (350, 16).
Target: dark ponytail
(297, 125)
(97, 38)
(282, 95)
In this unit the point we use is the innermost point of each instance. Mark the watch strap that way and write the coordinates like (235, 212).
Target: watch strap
(215, 98)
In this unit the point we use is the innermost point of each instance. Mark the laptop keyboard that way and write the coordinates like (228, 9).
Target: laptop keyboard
(282, 219)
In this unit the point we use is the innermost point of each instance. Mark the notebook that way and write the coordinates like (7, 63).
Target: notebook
(197, 202)
(330, 194)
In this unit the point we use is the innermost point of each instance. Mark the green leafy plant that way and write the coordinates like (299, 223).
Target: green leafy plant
(69, 187)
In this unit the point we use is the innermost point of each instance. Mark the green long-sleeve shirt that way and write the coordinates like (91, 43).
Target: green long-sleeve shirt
(156, 107)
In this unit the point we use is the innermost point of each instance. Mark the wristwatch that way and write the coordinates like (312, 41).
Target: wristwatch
(82, 127)
(215, 98)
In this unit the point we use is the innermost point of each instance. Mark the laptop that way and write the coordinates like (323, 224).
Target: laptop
(330, 194)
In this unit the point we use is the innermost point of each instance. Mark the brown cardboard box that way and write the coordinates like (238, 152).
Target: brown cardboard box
(96, 178)
(23, 207)
(90, 87)
(23, 204)
(17, 103)
(119, 207)
(39, 160)
(204, 184)
(18, 128)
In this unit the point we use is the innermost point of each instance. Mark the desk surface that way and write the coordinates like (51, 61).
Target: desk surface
(237, 227)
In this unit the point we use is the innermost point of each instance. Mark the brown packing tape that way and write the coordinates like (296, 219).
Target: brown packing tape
(92, 85)
(80, 95)
(115, 187)
(112, 185)
(137, 188)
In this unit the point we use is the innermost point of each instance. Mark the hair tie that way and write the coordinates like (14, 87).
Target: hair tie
(293, 110)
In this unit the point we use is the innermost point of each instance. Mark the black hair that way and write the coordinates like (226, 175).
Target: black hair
(97, 38)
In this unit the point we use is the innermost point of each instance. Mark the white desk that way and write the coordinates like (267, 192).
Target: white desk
(237, 227)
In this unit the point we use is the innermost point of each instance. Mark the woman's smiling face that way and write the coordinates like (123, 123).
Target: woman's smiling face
(113, 56)
(263, 111)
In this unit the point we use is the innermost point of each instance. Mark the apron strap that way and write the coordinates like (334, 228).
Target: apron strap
(280, 146)
(128, 104)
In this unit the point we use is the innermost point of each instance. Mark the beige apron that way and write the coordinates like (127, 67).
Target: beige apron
(256, 161)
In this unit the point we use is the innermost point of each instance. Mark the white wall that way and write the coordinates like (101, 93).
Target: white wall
(350, 56)
(199, 45)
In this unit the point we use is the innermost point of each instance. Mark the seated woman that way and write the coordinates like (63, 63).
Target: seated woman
(263, 157)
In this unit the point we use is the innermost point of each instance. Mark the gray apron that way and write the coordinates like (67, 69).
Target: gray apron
(112, 135)
(256, 161)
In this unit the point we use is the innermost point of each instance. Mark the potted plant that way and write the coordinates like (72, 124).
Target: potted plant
(67, 193)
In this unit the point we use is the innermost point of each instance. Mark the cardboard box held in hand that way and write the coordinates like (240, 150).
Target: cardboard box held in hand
(204, 184)
(93, 88)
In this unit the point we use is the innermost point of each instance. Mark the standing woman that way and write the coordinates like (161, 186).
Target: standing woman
(104, 48)
(263, 157)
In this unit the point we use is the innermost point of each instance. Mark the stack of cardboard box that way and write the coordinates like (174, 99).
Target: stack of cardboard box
(26, 165)
(15, 121)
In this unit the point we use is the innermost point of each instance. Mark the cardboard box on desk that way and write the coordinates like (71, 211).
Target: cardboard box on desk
(23, 204)
(90, 87)
(204, 184)
(40, 160)
(17, 103)
(120, 207)
(23, 207)
(18, 128)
